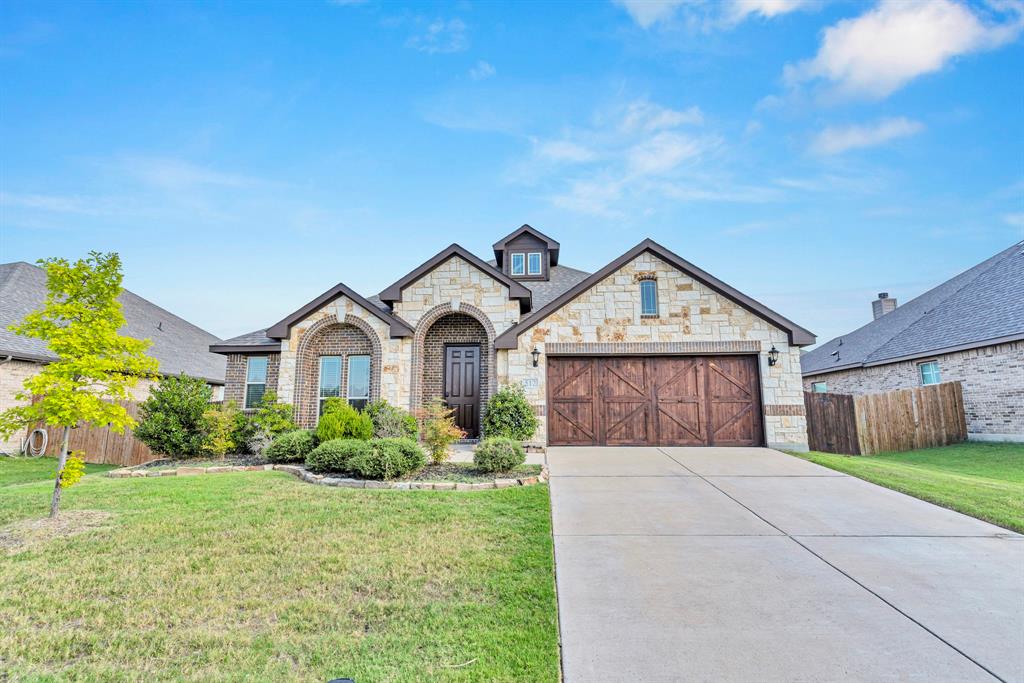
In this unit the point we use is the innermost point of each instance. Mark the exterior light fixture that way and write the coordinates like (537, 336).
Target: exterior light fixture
(536, 355)
(773, 356)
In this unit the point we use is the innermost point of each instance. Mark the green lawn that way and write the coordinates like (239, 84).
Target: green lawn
(984, 480)
(258, 576)
(21, 470)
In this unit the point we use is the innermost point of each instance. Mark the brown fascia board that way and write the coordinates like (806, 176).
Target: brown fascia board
(919, 355)
(393, 292)
(244, 348)
(552, 245)
(798, 336)
(280, 329)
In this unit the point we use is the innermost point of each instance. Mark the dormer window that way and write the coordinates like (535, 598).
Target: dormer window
(533, 263)
(518, 264)
(526, 254)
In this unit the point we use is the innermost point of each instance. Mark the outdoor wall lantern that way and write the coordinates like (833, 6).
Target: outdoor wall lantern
(773, 356)
(536, 355)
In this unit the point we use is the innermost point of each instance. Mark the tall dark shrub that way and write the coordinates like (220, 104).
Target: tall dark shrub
(172, 420)
(509, 414)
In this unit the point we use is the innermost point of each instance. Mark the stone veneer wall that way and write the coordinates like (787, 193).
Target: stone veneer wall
(331, 339)
(455, 328)
(234, 377)
(992, 377)
(609, 312)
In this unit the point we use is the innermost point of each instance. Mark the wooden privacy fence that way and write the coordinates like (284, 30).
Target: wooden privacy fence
(103, 445)
(901, 420)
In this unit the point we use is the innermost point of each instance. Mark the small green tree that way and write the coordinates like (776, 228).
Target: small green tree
(95, 365)
(172, 421)
(219, 427)
(439, 429)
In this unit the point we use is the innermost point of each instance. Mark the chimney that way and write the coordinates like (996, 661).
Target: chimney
(882, 305)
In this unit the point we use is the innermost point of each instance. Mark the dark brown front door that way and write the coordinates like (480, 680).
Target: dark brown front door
(462, 386)
(643, 401)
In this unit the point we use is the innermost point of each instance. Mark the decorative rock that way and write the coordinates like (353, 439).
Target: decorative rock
(118, 474)
(422, 485)
(482, 486)
(185, 471)
(169, 473)
(267, 467)
(138, 473)
(218, 469)
(291, 469)
(461, 486)
(351, 483)
(444, 486)
(505, 483)
(401, 485)
(527, 481)
(330, 481)
(154, 473)
(376, 485)
(254, 468)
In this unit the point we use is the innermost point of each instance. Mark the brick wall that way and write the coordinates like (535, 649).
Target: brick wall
(336, 339)
(992, 377)
(234, 377)
(456, 328)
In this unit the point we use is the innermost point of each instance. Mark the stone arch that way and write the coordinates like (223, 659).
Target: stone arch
(488, 356)
(329, 336)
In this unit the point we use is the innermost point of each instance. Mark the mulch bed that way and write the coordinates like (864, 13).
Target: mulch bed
(467, 472)
(226, 461)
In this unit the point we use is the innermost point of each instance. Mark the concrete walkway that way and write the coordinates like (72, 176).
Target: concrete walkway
(745, 564)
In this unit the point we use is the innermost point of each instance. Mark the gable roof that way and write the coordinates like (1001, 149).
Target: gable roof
(516, 290)
(180, 346)
(798, 336)
(279, 330)
(551, 245)
(981, 306)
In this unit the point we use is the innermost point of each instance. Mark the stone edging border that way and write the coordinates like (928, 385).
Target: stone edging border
(323, 480)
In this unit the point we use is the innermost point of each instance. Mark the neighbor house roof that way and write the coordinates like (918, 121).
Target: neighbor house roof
(797, 335)
(979, 307)
(180, 346)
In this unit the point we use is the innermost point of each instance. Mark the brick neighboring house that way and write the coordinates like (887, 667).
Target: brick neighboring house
(648, 350)
(969, 328)
(180, 346)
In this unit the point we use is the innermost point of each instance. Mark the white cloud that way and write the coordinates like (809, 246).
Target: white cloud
(441, 36)
(175, 174)
(838, 139)
(661, 153)
(738, 10)
(642, 115)
(647, 13)
(482, 71)
(882, 50)
(1014, 219)
(594, 197)
(564, 151)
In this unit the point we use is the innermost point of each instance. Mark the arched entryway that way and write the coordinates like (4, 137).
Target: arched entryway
(336, 359)
(455, 361)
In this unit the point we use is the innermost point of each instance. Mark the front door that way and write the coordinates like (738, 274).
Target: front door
(462, 386)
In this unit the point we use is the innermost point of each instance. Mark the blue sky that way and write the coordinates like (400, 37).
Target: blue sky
(244, 157)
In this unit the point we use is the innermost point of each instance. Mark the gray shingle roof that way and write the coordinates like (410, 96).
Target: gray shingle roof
(179, 345)
(254, 338)
(981, 304)
(560, 278)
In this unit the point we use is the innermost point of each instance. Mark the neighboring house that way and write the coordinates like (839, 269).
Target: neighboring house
(970, 328)
(648, 350)
(180, 346)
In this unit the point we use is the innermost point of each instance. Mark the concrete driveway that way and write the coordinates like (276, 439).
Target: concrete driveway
(746, 564)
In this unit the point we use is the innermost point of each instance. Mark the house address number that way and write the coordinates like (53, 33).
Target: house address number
(530, 383)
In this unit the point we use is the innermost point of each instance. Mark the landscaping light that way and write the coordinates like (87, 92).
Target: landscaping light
(773, 356)
(536, 355)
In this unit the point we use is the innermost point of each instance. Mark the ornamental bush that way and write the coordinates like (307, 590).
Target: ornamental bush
(254, 431)
(388, 459)
(172, 421)
(391, 421)
(336, 455)
(509, 414)
(342, 421)
(218, 429)
(291, 446)
(498, 454)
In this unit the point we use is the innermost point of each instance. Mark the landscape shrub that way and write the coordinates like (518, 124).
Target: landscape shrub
(218, 429)
(388, 458)
(254, 431)
(342, 421)
(291, 446)
(336, 455)
(499, 454)
(171, 419)
(509, 414)
(439, 430)
(391, 421)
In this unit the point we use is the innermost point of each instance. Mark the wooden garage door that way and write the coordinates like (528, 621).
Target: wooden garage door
(656, 400)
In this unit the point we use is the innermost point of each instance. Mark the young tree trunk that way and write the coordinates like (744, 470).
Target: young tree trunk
(55, 502)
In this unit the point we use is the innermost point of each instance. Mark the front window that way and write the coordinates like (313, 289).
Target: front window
(330, 379)
(819, 387)
(533, 264)
(930, 372)
(255, 380)
(358, 381)
(518, 264)
(648, 297)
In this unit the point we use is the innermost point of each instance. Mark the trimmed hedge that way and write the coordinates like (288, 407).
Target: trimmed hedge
(509, 414)
(388, 459)
(342, 421)
(498, 454)
(336, 455)
(291, 446)
(391, 421)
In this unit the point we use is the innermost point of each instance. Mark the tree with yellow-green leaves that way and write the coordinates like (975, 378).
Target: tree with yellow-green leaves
(95, 366)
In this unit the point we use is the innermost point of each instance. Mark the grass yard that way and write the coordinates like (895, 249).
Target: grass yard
(256, 576)
(21, 470)
(984, 480)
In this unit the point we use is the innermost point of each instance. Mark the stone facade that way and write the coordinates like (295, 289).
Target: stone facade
(992, 377)
(609, 313)
(330, 339)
